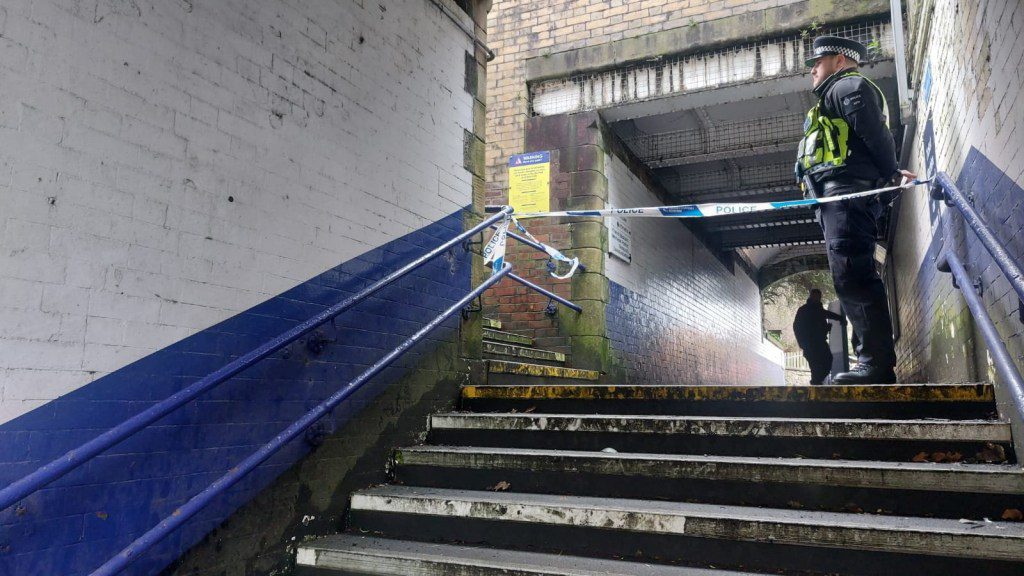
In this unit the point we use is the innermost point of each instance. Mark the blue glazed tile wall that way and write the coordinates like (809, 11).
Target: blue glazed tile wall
(931, 348)
(79, 521)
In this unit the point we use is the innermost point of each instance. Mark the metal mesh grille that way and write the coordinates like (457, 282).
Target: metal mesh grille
(671, 148)
(682, 74)
(755, 180)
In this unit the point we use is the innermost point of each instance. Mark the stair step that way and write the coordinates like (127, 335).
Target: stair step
(522, 352)
(542, 372)
(507, 337)
(961, 401)
(384, 557)
(492, 323)
(905, 488)
(700, 533)
(871, 439)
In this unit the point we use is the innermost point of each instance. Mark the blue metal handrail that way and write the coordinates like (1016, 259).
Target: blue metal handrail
(533, 245)
(944, 189)
(1005, 367)
(547, 293)
(77, 456)
(201, 500)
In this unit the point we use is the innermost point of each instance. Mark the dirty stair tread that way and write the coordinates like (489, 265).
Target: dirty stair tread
(523, 352)
(382, 556)
(689, 392)
(495, 335)
(900, 534)
(855, 428)
(978, 478)
(529, 369)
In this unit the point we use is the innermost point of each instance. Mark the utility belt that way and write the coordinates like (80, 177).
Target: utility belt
(811, 180)
(813, 184)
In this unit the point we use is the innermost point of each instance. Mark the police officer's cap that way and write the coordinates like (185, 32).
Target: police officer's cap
(825, 45)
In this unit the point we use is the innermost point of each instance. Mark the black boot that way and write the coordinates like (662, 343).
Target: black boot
(866, 374)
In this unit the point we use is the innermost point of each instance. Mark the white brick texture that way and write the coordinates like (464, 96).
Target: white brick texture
(690, 313)
(167, 164)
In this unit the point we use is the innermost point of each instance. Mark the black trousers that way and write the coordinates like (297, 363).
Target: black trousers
(819, 358)
(850, 228)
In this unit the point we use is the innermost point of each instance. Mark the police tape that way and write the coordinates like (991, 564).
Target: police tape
(710, 210)
(494, 250)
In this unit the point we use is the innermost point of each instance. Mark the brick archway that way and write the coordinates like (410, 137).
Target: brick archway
(779, 270)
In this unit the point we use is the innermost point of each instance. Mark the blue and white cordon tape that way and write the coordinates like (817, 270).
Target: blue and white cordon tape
(494, 251)
(713, 209)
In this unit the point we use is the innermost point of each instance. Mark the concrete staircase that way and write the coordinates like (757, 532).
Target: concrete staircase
(575, 478)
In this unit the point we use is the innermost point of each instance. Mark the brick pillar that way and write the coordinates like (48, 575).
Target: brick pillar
(474, 162)
(578, 146)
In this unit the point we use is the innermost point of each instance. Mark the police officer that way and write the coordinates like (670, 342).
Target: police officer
(847, 147)
(811, 329)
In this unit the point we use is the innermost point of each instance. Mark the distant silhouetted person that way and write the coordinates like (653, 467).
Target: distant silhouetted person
(811, 329)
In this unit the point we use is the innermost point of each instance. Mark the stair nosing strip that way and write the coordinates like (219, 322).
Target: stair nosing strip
(975, 478)
(745, 426)
(994, 541)
(535, 562)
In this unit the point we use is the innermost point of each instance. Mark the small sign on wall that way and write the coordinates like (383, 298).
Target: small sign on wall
(930, 166)
(620, 239)
(529, 182)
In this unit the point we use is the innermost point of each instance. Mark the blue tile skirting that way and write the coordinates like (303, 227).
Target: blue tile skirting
(78, 522)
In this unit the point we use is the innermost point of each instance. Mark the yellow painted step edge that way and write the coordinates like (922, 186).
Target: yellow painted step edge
(890, 393)
(540, 370)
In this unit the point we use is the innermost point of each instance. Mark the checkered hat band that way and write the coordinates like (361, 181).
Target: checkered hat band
(849, 53)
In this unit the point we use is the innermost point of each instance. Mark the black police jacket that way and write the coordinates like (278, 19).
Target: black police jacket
(811, 324)
(872, 150)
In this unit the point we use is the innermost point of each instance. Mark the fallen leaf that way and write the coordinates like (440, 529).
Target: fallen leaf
(921, 457)
(852, 508)
(1012, 514)
(500, 486)
(993, 453)
(938, 457)
(794, 504)
(530, 409)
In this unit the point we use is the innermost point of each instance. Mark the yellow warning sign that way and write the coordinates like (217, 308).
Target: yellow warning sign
(529, 182)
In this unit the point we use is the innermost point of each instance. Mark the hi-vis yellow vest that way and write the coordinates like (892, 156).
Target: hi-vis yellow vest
(824, 145)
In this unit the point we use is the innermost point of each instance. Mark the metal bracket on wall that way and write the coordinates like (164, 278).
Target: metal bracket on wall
(317, 342)
(551, 309)
(468, 244)
(317, 433)
(478, 307)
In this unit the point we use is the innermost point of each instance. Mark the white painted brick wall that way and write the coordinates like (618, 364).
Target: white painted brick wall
(125, 125)
(976, 53)
(717, 312)
(959, 85)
